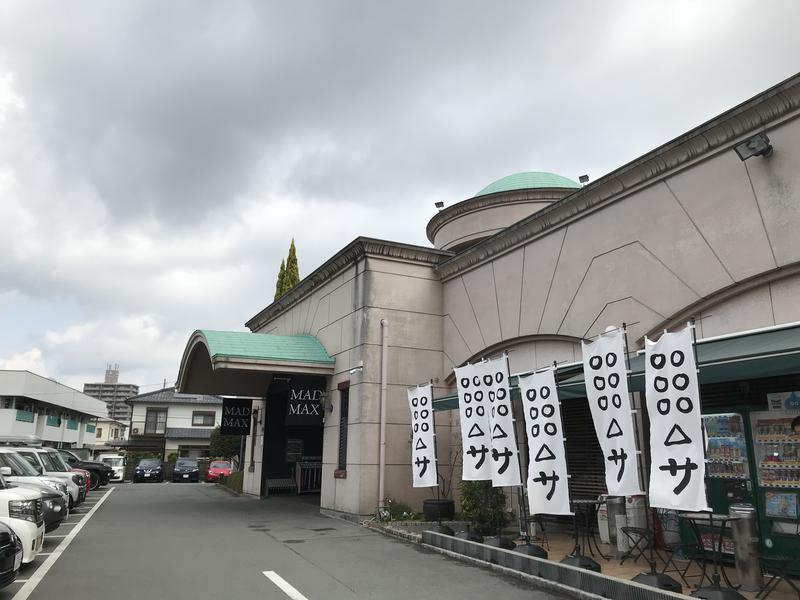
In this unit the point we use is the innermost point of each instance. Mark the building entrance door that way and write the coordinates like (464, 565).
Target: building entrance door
(292, 461)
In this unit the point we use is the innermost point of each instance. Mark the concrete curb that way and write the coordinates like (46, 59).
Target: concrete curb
(540, 583)
(221, 486)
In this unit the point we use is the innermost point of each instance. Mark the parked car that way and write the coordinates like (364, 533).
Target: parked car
(54, 507)
(21, 510)
(149, 469)
(186, 469)
(117, 463)
(17, 472)
(47, 462)
(10, 555)
(23, 472)
(87, 478)
(101, 473)
(218, 468)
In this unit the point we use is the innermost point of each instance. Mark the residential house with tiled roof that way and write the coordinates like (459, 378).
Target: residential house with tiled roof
(168, 422)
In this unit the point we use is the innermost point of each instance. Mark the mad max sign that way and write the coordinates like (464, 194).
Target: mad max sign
(304, 401)
(236, 416)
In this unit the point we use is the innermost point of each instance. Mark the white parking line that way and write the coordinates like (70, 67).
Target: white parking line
(33, 581)
(285, 586)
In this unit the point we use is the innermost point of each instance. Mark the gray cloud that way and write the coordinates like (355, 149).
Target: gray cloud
(155, 158)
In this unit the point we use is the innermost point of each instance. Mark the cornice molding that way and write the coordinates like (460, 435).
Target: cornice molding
(479, 203)
(776, 104)
(358, 248)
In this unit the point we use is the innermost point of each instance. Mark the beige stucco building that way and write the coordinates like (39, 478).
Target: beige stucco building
(532, 265)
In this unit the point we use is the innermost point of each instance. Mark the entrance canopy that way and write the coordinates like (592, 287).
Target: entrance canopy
(748, 355)
(240, 363)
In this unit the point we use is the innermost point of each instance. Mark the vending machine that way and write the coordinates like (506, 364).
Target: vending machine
(776, 449)
(728, 475)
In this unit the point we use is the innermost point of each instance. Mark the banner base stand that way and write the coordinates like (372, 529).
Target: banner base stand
(499, 541)
(443, 529)
(582, 562)
(531, 550)
(717, 592)
(470, 536)
(658, 580)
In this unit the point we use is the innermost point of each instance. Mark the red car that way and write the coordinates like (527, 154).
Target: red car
(218, 468)
(87, 478)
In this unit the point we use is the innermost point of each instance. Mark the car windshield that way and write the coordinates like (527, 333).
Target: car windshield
(59, 462)
(31, 459)
(18, 465)
(112, 461)
(50, 462)
(186, 463)
(149, 463)
(220, 464)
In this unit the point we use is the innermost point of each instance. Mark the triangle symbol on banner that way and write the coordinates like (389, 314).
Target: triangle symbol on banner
(544, 454)
(677, 436)
(475, 431)
(420, 445)
(498, 433)
(614, 429)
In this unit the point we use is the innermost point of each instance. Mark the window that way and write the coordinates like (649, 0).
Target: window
(155, 421)
(115, 433)
(344, 409)
(98, 432)
(203, 418)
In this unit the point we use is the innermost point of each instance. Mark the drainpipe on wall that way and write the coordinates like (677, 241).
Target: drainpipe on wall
(384, 366)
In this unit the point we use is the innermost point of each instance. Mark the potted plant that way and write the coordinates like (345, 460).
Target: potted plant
(443, 506)
(485, 507)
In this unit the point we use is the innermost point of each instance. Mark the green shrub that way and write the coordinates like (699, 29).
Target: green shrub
(234, 481)
(484, 506)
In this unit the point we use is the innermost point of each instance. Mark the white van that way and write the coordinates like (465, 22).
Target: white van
(116, 462)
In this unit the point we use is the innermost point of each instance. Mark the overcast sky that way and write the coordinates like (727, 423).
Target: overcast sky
(157, 157)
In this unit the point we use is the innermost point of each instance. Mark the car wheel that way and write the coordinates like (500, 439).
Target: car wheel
(71, 503)
(95, 483)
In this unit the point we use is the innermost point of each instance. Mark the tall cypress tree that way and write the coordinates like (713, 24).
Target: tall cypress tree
(292, 277)
(281, 278)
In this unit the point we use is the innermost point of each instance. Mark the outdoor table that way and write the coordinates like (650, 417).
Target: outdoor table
(720, 521)
(585, 514)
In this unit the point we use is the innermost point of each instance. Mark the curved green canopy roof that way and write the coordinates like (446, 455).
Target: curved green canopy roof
(265, 346)
(528, 180)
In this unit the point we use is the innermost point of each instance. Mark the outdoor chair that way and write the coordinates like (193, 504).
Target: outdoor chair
(693, 552)
(640, 540)
(777, 569)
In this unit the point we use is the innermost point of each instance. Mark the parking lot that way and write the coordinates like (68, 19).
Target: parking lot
(196, 540)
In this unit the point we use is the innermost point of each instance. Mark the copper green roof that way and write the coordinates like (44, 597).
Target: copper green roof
(265, 346)
(528, 180)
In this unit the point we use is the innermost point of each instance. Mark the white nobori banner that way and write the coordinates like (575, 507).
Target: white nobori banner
(473, 408)
(677, 470)
(605, 374)
(423, 441)
(548, 489)
(487, 424)
(505, 452)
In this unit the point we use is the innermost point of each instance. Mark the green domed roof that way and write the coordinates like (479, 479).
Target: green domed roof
(526, 181)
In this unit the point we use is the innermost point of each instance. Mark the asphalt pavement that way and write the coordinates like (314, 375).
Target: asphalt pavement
(175, 541)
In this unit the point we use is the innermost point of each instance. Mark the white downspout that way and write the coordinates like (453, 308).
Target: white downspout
(384, 367)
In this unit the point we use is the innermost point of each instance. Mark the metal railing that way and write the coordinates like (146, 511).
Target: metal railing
(308, 477)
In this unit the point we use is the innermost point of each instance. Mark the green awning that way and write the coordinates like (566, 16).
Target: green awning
(754, 355)
(242, 363)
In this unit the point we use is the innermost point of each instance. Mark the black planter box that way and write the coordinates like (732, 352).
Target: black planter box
(435, 510)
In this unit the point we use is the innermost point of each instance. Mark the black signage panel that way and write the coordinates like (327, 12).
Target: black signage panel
(236, 416)
(304, 401)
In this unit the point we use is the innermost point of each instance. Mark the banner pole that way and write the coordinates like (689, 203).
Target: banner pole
(650, 523)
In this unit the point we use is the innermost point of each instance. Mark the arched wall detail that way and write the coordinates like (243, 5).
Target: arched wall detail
(699, 233)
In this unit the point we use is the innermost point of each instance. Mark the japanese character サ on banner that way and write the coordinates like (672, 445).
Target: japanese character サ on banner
(677, 471)
(605, 372)
(548, 490)
(487, 425)
(423, 449)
